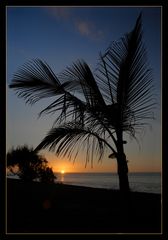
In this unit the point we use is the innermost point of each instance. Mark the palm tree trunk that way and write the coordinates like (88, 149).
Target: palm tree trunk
(123, 174)
(122, 165)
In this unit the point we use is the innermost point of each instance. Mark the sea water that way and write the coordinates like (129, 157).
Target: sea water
(139, 182)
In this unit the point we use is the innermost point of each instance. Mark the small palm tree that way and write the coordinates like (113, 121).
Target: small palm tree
(94, 110)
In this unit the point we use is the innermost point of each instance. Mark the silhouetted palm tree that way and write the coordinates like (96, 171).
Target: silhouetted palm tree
(94, 110)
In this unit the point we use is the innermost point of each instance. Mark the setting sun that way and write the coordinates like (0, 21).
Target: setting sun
(62, 171)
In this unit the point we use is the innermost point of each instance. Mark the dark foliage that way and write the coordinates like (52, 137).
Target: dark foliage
(28, 165)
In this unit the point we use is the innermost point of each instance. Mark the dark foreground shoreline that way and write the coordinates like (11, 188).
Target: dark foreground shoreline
(58, 208)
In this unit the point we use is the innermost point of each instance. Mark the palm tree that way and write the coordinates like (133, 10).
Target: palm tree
(94, 110)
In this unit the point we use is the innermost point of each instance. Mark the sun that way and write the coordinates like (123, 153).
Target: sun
(62, 171)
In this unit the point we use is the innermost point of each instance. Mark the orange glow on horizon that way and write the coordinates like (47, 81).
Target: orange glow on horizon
(64, 165)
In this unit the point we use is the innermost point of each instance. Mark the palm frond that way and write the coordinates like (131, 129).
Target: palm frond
(35, 80)
(67, 106)
(81, 74)
(130, 78)
(95, 106)
(70, 138)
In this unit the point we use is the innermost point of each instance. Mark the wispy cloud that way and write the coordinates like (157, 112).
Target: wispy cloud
(88, 29)
(84, 27)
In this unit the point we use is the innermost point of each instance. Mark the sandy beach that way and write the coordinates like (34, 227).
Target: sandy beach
(59, 208)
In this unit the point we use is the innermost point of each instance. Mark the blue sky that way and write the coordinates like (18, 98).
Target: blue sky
(60, 36)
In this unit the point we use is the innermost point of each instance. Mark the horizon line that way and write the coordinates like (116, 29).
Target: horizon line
(111, 172)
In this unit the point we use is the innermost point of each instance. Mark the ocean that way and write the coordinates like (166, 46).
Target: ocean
(139, 182)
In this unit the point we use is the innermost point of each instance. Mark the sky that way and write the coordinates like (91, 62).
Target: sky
(60, 36)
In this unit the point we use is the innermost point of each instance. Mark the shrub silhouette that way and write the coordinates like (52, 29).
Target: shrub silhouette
(28, 165)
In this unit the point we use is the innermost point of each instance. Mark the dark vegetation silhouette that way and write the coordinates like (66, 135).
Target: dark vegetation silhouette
(94, 110)
(28, 165)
